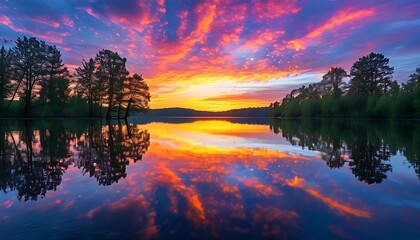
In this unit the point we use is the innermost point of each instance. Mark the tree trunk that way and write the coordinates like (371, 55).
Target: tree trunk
(108, 111)
(90, 107)
(44, 98)
(27, 100)
(13, 97)
(90, 97)
(128, 108)
(119, 111)
(100, 106)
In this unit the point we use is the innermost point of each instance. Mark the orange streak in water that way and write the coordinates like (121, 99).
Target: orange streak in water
(298, 182)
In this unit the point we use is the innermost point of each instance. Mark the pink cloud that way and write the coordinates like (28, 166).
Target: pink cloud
(344, 17)
(53, 37)
(46, 21)
(5, 20)
(274, 8)
(68, 21)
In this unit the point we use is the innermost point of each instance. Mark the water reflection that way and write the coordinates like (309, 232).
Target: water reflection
(366, 146)
(213, 179)
(35, 155)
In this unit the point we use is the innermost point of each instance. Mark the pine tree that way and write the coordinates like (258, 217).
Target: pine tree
(371, 75)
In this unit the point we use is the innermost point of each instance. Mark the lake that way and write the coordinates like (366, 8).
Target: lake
(209, 179)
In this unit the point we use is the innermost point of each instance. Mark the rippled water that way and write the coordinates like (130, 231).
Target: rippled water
(209, 179)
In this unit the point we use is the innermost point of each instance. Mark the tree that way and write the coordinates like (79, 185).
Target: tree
(29, 65)
(122, 89)
(394, 88)
(112, 70)
(332, 81)
(138, 94)
(54, 68)
(413, 83)
(54, 63)
(370, 75)
(5, 72)
(87, 82)
(57, 93)
(33, 72)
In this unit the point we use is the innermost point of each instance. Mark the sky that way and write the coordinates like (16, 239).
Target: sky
(222, 54)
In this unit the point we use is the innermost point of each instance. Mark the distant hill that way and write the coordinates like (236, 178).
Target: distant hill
(186, 112)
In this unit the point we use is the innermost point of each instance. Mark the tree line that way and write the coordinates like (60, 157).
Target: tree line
(34, 82)
(370, 92)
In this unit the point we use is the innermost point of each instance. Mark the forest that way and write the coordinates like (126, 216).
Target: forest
(35, 83)
(367, 91)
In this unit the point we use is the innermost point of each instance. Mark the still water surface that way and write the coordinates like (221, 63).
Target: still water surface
(209, 179)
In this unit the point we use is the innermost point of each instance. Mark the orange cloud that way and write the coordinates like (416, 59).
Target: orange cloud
(341, 209)
(192, 85)
(206, 12)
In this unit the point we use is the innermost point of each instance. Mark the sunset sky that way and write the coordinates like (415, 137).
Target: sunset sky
(222, 54)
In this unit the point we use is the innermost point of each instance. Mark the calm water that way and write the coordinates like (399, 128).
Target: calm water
(207, 179)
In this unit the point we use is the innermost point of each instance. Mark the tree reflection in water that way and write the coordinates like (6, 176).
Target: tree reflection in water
(106, 152)
(367, 146)
(35, 155)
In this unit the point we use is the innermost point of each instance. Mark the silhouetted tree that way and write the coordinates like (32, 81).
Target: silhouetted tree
(57, 94)
(29, 54)
(111, 69)
(137, 94)
(332, 82)
(413, 84)
(87, 83)
(54, 63)
(394, 88)
(34, 72)
(370, 75)
(370, 94)
(54, 68)
(5, 73)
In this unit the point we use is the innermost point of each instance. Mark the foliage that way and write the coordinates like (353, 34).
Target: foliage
(5, 72)
(371, 75)
(34, 82)
(369, 94)
(332, 82)
(413, 84)
(111, 71)
(87, 85)
(57, 94)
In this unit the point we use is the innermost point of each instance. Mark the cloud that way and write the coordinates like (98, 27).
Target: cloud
(274, 8)
(49, 36)
(342, 209)
(340, 19)
(179, 47)
(68, 21)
